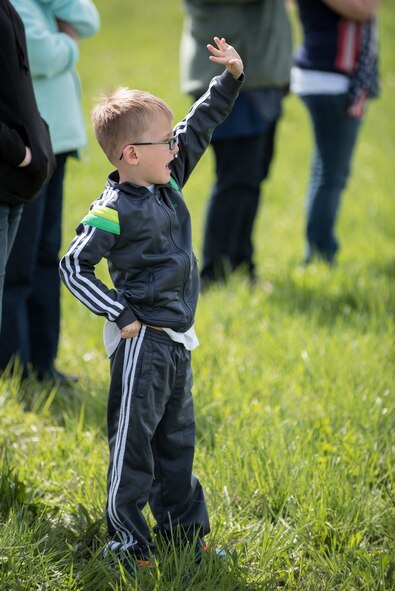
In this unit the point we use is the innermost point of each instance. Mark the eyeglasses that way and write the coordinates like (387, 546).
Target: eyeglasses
(172, 143)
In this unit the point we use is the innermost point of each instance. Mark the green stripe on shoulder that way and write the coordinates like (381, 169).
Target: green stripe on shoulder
(105, 212)
(103, 218)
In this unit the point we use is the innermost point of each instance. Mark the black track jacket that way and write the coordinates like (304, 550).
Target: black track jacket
(146, 237)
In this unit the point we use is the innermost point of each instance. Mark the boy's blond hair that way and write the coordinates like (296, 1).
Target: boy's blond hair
(122, 116)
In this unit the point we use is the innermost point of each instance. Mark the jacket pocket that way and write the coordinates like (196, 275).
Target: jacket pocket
(151, 288)
(144, 371)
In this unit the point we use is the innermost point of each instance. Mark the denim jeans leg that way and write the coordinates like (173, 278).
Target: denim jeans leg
(335, 135)
(17, 286)
(30, 328)
(44, 299)
(10, 216)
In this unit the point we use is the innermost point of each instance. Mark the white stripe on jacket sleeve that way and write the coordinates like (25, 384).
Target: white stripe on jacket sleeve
(84, 285)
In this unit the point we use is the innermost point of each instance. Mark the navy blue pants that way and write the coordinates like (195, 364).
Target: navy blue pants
(241, 166)
(151, 435)
(31, 298)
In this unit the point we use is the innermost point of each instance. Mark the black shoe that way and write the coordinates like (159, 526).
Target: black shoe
(56, 378)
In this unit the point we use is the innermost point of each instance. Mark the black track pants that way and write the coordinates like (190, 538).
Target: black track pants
(151, 434)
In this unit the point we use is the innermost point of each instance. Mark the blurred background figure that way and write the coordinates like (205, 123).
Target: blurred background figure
(244, 144)
(31, 302)
(26, 159)
(335, 72)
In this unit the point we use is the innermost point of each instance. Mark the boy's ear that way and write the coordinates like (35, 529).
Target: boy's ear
(130, 155)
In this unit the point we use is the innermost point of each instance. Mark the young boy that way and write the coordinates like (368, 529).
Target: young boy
(141, 225)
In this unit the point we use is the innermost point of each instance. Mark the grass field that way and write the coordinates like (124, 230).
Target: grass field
(294, 379)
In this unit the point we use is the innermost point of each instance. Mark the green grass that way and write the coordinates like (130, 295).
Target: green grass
(293, 379)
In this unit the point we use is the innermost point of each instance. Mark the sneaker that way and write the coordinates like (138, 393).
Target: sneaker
(130, 561)
(204, 549)
(135, 565)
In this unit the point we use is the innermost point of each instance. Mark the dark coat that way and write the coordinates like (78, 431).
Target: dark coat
(20, 121)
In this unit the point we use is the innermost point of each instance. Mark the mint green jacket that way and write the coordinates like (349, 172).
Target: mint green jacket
(52, 58)
(258, 29)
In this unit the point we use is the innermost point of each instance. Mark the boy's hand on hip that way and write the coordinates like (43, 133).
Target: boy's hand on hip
(131, 330)
(226, 55)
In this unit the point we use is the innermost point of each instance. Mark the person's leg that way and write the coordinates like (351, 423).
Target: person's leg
(136, 404)
(147, 374)
(241, 165)
(10, 216)
(242, 250)
(4, 211)
(177, 499)
(221, 214)
(14, 336)
(44, 299)
(335, 135)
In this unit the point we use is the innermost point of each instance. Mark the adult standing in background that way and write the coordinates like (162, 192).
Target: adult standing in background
(244, 144)
(26, 159)
(335, 73)
(31, 304)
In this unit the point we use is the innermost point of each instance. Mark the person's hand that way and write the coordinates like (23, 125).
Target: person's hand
(131, 330)
(27, 159)
(68, 29)
(358, 10)
(226, 55)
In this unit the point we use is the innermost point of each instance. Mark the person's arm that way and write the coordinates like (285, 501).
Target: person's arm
(50, 52)
(77, 267)
(359, 10)
(65, 27)
(82, 15)
(12, 146)
(195, 130)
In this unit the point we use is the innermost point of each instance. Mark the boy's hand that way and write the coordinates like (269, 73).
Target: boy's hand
(226, 55)
(131, 330)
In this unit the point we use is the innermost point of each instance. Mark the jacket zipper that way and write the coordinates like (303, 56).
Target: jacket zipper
(183, 252)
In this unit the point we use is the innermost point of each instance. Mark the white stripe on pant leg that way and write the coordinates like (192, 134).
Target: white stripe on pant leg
(132, 350)
(129, 356)
(130, 346)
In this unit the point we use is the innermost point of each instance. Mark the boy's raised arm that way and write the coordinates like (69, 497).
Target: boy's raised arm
(226, 55)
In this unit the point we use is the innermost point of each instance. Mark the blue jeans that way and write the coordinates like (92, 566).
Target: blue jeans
(335, 135)
(31, 299)
(10, 216)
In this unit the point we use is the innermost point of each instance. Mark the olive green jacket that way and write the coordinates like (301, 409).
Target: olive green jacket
(258, 29)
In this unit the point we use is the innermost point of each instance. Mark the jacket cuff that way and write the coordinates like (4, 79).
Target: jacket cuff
(227, 78)
(126, 317)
